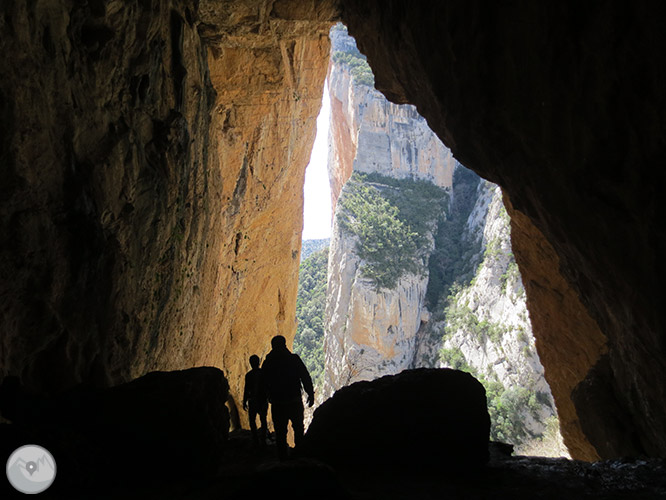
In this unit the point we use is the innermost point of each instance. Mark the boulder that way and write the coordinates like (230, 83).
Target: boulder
(164, 424)
(416, 419)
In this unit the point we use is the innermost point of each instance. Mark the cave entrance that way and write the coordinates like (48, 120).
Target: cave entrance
(420, 271)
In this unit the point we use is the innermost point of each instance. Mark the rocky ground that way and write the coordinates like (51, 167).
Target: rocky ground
(245, 473)
(164, 436)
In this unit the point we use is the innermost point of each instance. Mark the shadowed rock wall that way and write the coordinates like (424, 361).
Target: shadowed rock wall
(105, 194)
(153, 156)
(562, 105)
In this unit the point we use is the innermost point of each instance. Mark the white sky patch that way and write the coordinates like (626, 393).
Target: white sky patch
(317, 190)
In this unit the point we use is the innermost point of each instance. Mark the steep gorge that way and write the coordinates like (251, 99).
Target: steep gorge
(449, 295)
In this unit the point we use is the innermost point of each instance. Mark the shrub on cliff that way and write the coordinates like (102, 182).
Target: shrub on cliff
(390, 219)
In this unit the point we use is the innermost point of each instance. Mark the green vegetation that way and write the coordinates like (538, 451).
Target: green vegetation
(390, 218)
(453, 258)
(454, 358)
(460, 317)
(511, 275)
(358, 67)
(310, 308)
(355, 61)
(506, 407)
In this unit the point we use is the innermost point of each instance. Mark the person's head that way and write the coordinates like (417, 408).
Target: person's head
(254, 361)
(279, 343)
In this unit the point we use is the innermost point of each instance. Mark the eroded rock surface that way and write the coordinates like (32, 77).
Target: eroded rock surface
(153, 157)
(371, 330)
(123, 245)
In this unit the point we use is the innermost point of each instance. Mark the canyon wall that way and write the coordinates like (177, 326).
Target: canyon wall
(368, 332)
(485, 328)
(363, 122)
(147, 151)
(371, 332)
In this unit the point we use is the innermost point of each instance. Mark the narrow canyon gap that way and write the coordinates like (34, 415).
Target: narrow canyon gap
(153, 158)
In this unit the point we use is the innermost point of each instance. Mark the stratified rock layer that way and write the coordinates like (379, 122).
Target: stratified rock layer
(562, 105)
(371, 134)
(371, 331)
(267, 64)
(486, 321)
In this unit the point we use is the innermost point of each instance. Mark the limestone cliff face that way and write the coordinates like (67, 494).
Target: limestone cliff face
(567, 107)
(106, 138)
(364, 123)
(267, 63)
(371, 331)
(147, 151)
(487, 328)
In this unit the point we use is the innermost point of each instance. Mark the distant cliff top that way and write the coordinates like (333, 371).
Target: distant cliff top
(341, 41)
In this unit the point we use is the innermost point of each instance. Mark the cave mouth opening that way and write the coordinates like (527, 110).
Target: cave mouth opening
(468, 260)
(470, 310)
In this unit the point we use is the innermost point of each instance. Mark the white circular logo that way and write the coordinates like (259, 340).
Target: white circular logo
(31, 469)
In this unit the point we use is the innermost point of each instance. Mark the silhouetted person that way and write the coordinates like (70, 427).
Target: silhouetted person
(255, 401)
(284, 374)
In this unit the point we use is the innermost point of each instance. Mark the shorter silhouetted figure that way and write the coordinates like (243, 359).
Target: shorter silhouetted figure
(255, 401)
(284, 374)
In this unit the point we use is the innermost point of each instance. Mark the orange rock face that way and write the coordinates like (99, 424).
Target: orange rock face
(153, 196)
(268, 73)
(574, 336)
(152, 158)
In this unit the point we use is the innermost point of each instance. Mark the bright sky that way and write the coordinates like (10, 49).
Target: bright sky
(317, 190)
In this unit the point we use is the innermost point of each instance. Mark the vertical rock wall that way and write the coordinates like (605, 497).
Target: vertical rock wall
(372, 332)
(368, 332)
(486, 328)
(106, 148)
(148, 150)
(267, 64)
(363, 124)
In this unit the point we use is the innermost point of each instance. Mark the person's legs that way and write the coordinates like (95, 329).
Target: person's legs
(263, 425)
(252, 414)
(280, 421)
(296, 417)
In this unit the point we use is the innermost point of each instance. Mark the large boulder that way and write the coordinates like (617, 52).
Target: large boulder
(164, 424)
(415, 419)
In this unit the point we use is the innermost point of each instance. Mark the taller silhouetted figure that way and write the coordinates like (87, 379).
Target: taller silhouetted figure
(284, 374)
(255, 401)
